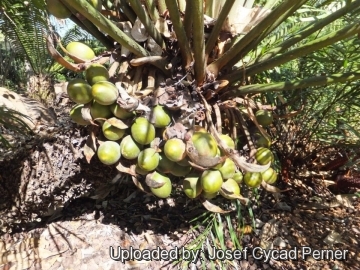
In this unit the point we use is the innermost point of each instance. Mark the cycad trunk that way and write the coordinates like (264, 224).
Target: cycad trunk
(45, 171)
(38, 85)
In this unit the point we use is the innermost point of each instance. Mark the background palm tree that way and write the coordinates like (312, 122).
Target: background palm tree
(26, 66)
(24, 24)
(25, 61)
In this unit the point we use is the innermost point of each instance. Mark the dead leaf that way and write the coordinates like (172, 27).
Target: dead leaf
(231, 195)
(85, 113)
(144, 93)
(126, 27)
(128, 102)
(156, 144)
(90, 146)
(241, 19)
(137, 183)
(197, 167)
(176, 131)
(248, 167)
(139, 32)
(151, 182)
(145, 60)
(140, 185)
(212, 207)
(345, 200)
(162, 27)
(333, 238)
(154, 48)
(149, 238)
(143, 245)
(201, 161)
(123, 169)
(117, 123)
(270, 188)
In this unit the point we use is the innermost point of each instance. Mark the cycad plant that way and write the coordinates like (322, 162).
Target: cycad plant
(25, 61)
(25, 26)
(211, 65)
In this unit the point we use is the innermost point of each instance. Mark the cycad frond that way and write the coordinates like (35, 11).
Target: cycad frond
(75, 34)
(24, 26)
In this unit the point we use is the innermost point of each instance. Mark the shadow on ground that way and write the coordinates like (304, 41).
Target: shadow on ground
(70, 212)
(52, 180)
(48, 186)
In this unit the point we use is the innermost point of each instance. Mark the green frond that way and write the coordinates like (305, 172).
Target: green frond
(24, 26)
(76, 33)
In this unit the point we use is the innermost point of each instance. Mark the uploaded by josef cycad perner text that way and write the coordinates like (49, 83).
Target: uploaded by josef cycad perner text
(182, 254)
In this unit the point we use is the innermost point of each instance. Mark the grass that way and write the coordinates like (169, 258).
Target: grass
(218, 232)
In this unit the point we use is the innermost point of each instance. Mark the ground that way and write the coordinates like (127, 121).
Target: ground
(59, 212)
(80, 238)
